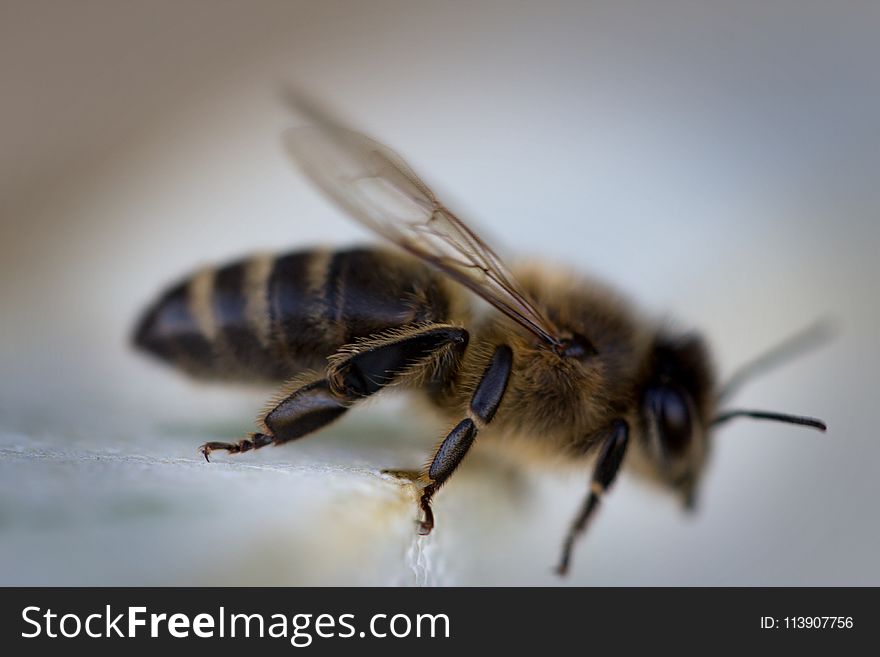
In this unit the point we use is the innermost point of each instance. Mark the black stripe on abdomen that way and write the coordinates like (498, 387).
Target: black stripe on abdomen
(367, 292)
(237, 336)
(335, 287)
(296, 309)
(170, 330)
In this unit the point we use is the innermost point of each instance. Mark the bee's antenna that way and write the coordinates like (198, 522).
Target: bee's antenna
(767, 415)
(811, 337)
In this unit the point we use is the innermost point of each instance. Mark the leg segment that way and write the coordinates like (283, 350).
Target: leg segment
(308, 408)
(483, 405)
(364, 368)
(357, 371)
(604, 474)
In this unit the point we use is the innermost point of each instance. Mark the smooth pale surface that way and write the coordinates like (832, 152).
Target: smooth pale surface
(718, 164)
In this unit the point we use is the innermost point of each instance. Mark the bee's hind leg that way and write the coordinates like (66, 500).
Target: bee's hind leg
(253, 441)
(308, 408)
(356, 372)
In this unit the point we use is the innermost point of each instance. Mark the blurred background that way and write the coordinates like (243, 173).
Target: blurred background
(717, 161)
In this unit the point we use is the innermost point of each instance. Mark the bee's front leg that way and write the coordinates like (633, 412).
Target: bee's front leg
(604, 474)
(483, 405)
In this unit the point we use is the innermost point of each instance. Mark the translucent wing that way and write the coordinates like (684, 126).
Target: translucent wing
(376, 187)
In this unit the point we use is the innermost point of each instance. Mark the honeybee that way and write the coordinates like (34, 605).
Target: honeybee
(556, 363)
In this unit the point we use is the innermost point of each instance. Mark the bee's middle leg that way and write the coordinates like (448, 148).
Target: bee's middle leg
(483, 405)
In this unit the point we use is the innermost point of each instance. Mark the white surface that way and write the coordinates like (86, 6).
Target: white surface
(719, 164)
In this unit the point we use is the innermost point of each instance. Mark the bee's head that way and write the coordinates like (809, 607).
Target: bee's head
(676, 412)
(678, 404)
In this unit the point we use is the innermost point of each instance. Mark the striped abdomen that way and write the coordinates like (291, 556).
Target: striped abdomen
(271, 317)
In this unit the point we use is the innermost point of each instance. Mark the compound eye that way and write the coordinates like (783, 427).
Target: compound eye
(670, 409)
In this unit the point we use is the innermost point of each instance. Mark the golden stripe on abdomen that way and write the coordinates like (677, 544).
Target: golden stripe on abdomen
(240, 349)
(296, 311)
(171, 331)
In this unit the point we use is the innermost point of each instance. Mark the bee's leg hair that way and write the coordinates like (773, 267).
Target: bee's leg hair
(403, 473)
(355, 372)
(483, 405)
(604, 473)
(363, 368)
